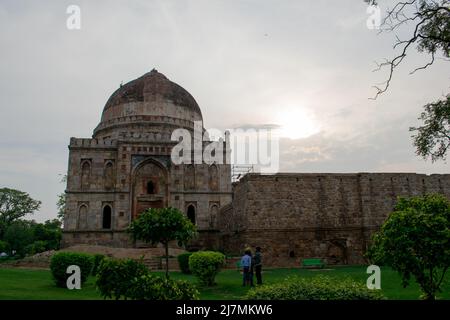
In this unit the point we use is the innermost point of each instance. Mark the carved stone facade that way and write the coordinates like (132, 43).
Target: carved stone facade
(126, 167)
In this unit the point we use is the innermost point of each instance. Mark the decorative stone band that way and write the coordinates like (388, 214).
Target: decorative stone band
(117, 122)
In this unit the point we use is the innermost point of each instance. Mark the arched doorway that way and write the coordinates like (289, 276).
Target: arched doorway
(191, 213)
(149, 187)
(106, 218)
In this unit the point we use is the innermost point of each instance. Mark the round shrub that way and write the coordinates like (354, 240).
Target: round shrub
(183, 261)
(150, 287)
(97, 259)
(205, 265)
(316, 288)
(114, 276)
(61, 260)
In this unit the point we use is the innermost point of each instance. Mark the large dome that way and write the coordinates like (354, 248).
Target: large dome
(147, 102)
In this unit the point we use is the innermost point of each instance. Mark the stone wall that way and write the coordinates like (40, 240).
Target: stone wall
(115, 173)
(329, 216)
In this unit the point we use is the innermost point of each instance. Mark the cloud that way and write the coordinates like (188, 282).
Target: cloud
(244, 62)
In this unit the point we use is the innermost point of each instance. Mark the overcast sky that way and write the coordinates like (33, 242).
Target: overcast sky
(247, 62)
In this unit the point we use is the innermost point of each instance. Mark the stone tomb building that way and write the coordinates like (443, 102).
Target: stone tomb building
(126, 168)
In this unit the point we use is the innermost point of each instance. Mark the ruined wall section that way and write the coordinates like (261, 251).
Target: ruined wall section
(331, 216)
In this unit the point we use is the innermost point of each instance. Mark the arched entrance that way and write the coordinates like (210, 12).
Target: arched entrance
(191, 213)
(150, 186)
(106, 217)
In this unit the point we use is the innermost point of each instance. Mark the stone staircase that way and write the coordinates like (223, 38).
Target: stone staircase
(153, 263)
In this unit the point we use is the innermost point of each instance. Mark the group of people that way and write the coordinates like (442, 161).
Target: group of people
(251, 264)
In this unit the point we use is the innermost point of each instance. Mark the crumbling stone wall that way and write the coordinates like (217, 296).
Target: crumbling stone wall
(305, 215)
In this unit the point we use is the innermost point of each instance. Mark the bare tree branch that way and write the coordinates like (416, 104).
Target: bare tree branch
(427, 34)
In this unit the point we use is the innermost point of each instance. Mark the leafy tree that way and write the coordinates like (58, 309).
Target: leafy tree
(30, 237)
(431, 35)
(433, 137)
(61, 205)
(61, 202)
(415, 241)
(162, 226)
(49, 232)
(14, 204)
(4, 246)
(19, 235)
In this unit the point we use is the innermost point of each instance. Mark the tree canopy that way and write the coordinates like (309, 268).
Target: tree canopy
(415, 241)
(14, 204)
(429, 32)
(162, 226)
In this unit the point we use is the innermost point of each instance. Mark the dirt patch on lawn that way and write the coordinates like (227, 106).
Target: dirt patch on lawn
(42, 260)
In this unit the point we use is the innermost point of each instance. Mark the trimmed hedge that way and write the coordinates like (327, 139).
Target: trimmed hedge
(316, 288)
(183, 262)
(61, 260)
(114, 276)
(150, 287)
(205, 265)
(131, 279)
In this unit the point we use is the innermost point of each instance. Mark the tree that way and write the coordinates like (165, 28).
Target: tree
(415, 241)
(431, 32)
(162, 226)
(19, 235)
(431, 35)
(433, 137)
(49, 233)
(61, 202)
(61, 205)
(14, 204)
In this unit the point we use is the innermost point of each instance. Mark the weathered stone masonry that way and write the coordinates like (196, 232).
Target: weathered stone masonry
(126, 168)
(304, 215)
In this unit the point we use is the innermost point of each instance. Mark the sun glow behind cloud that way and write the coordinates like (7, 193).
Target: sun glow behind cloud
(296, 123)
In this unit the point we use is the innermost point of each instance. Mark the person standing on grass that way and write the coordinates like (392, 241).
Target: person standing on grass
(257, 263)
(250, 276)
(246, 263)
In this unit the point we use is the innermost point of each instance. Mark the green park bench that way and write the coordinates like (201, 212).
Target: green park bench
(313, 263)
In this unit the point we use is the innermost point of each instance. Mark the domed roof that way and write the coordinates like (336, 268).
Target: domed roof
(152, 83)
(148, 102)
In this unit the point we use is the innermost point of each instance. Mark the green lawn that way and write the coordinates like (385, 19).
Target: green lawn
(38, 284)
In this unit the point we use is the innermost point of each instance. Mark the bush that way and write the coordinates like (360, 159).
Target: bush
(61, 260)
(206, 265)
(183, 261)
(4, 246)
(98, 258)
(150, 287)
(36, 247)
(317, 288)
(114, 276)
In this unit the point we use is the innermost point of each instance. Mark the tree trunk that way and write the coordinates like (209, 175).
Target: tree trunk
(167, 259)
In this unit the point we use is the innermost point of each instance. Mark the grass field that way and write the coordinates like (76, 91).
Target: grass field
(38, 285)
